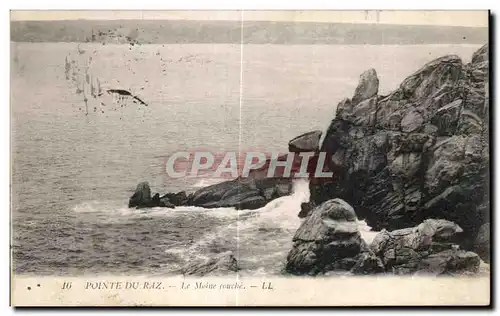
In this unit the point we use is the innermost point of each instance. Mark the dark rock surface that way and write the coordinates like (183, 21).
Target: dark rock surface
(327, 240)
(367, 87)
(222, 264)
(305, 209)
(165, 202)
(482, 242)
(450, 262)
(241, 193)
(420, 152)
(141, 196)
(429, 248)
(176, 199)
(367, 263)
(305, 142)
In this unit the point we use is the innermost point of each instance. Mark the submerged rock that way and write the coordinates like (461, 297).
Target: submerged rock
(222, 264)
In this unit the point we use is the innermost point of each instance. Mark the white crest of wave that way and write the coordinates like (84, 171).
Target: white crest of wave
(103, 207)
(259, 238)
(263, 234)
(366, 233)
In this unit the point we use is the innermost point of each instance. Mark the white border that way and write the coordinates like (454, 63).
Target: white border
(185, 4)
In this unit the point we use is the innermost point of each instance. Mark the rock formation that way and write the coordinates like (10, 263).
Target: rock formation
(141, 196)
(429, 248)
(327, 240)
(241, 193)
(420, 152)
(367, 263)
(305, 142)
(176, 199)
(222, 264)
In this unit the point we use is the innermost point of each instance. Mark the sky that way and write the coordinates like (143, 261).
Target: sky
(478, 18)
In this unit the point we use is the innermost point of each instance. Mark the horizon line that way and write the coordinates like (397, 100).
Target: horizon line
(473, 19)
(260, 21)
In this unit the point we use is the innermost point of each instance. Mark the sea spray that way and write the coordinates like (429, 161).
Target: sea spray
(260, 239)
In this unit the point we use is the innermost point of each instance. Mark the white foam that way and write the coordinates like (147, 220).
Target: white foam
(262, 236)
(92, 207)
(268, 228)
(366, 232)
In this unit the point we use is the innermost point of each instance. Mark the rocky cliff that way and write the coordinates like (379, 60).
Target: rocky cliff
(328, 242)
(420, 152)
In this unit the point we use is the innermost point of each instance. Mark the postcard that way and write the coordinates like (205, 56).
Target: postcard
(250, 158)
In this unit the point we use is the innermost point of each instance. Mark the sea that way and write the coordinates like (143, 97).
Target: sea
(77, 156)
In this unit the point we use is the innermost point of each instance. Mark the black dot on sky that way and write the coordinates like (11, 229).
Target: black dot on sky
(29, 288)
(38, 285)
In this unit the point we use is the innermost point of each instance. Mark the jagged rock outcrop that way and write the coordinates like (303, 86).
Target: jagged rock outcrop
(420, 152)
(327, 240)
(429, 248)
(223, 264)
(308, 142)
(141, 196)
(367, 87)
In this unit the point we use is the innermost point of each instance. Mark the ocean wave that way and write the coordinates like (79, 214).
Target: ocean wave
(103, 207)
(258, 238)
